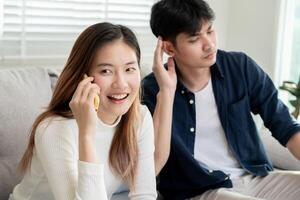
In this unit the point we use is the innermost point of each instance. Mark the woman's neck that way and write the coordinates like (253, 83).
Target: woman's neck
(107, 119)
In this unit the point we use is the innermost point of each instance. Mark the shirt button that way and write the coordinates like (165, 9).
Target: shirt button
(191, 101)
(182, 91)
(192, 129)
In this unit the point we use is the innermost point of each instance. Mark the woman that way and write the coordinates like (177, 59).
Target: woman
(76, 152)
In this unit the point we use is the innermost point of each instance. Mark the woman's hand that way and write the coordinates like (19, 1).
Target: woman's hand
(82, 106)
(166, 78)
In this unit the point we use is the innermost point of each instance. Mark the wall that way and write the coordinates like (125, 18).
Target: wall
(253, 29)
(221, 9)
(250, 26)
(242, 25)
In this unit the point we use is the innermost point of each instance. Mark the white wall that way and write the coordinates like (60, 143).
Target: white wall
(242, 25)
(221, 9)
(252, 27)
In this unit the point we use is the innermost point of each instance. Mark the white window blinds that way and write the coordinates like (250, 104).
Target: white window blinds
(47, 29)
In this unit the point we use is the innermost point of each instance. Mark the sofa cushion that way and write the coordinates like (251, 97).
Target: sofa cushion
(280, 156)
(24, 93)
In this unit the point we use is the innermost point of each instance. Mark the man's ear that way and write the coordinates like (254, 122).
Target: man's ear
(168, 48)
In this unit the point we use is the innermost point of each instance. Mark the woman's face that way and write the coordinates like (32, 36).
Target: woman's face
(115, 70)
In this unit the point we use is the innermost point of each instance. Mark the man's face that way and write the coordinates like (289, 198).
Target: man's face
(198, 50)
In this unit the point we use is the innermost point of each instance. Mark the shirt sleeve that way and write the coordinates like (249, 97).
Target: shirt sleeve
(264, 101)
(145, 185)
(69, 178)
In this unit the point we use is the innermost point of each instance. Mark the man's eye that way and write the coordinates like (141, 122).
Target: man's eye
(193, 39)
(210, 31)
(130, 69)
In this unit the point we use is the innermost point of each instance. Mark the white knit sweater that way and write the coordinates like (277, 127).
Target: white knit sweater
(56, 172)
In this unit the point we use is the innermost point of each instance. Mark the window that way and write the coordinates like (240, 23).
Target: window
(294, 74)
(288, 50)
(43, 31)
(288, 54)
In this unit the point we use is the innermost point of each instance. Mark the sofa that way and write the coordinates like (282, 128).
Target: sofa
(25, 92)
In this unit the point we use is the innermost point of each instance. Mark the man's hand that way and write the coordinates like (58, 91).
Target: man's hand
(166, 78)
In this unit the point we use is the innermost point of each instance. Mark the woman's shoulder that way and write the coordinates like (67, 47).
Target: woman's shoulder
(144, 112)
(54, 126)
(146, 125)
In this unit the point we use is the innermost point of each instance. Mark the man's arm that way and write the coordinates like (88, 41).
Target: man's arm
(264, 101)
(163, 112)
(162, 121)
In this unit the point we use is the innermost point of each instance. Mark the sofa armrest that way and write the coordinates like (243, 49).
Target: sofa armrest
(280, 156)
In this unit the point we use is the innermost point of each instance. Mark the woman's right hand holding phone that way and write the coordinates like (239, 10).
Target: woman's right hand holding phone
(82, 106)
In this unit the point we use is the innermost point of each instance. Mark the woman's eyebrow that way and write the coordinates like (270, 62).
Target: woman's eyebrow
(111, 65)
(104, 65)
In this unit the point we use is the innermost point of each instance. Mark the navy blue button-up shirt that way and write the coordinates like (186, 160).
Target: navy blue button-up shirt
(240, 87)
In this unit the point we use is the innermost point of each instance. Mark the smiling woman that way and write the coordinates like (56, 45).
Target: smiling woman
(75, 152)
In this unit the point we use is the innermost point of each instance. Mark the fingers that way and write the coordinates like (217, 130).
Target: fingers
(161, 45)
(158, 53)
(87, 89)
(158, 57)
(78, 92)
(171, 65)
(93, 92)
(84, 90)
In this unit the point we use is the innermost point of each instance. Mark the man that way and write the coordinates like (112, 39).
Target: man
(207, 145)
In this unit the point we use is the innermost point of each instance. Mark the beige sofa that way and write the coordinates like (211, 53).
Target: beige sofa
(24, 93)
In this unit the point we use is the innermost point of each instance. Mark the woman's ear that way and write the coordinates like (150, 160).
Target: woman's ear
(168, 48)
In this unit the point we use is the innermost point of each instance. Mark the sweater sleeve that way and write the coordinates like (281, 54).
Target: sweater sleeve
(145, 185)
(68, 178)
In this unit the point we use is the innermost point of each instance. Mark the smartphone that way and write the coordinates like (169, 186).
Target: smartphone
(96, 99)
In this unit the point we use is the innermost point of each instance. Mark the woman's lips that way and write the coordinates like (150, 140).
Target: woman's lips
(118, 98)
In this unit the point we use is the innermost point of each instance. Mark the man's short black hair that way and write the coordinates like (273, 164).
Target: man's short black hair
(172, 17)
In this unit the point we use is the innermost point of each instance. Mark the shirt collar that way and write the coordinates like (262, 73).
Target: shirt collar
(216, 68)
(103, 124)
